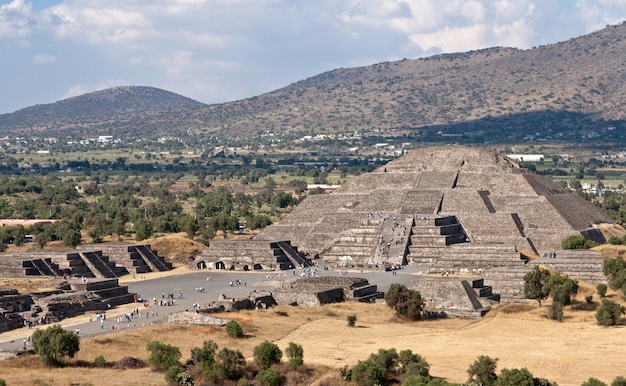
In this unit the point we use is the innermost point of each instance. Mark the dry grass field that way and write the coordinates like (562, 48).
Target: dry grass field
(518, 335)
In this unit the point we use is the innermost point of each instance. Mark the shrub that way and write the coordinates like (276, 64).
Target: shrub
(269, 377)
(231, 364)
(266, 354)
(296, 362)
(204, 356)
(413, 364)
(407, 303)
(593, 382)
(536, 284)
(516, 377)
(609, 313)
(416, 380)
(562, 287)
(601, 289)
(234, 329)
(163, 356)
(613, 240)
(619, 381)
(294, 350)
(386, 359)
(351, 320)
(54, 343)
(483, 371)
(100, 361)
(589, 299)
(172, 373)
(556, 311)
(367, 373)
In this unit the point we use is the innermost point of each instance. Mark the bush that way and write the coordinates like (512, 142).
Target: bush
(54, 343)
(172, 373)
(413, 364)
(367, 373)
(556, 311)
(296, 362)
(416, 380)
(266, 354)
(294, 350)
(234, 329)
(351, 320)
(601, 289)
(269, 377)
(516, 377)
(483, 371)
(577, 242)
(593, 382)
(163, 356)
(562, 287)
(100, 361)
(386, 359)
(609, 313)
(204, 356)
(619, 381)
(407, 303)
(613, 240)
(589, 299)
(231, 364)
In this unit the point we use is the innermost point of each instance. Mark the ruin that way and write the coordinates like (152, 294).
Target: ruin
(454, 209)
(102, 261)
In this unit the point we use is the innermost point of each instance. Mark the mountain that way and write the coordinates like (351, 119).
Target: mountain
(566, 90)
(116, 110)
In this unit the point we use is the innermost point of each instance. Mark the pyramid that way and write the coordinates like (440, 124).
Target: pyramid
(451, 207)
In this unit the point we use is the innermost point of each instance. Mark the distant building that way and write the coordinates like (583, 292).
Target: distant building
(526, 157)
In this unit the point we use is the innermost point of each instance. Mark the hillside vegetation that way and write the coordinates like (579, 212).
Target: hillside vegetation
(560, 90)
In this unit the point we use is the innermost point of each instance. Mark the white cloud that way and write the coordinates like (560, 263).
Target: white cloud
(15, 21)
(42, 58)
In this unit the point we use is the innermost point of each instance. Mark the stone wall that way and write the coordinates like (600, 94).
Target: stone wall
(196, 318)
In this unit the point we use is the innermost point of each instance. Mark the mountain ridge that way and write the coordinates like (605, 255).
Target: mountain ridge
(576, 83)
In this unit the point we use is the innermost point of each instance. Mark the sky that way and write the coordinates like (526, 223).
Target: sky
(216, 51)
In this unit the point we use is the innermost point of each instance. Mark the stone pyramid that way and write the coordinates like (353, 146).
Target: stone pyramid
(451, 207)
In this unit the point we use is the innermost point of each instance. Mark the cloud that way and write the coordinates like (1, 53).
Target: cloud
(41, 58)
(15, 21)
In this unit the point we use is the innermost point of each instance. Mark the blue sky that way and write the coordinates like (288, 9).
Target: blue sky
(223, 50)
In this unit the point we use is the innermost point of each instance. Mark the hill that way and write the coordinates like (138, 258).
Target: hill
(565, 90)
(118, 110)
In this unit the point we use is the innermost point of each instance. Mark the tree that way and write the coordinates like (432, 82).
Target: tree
(367, 373)
(163, 356)
(413, 364)
(536, 284)
(601, 289)
(204, 356)
(266, 354)
(593, 382)
(234, 329)
(516, 377)
(407, 303)
(143, 229)
(609, 313)
(71, 238)
(54, 343)
(386, 359)
(230, 364)
(269, 377)
(483, 371)
(294, 350)
(561, 288)
(619, 381)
